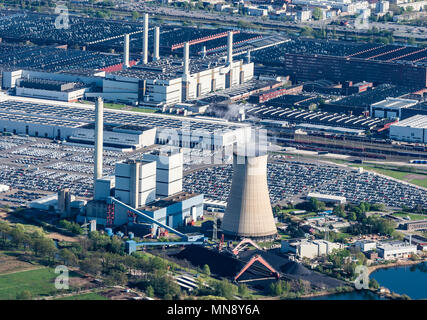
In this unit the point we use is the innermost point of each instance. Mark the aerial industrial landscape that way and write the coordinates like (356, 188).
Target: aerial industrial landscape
(213, 150)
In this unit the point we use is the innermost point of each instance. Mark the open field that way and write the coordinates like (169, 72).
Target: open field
(412, 216)
(85, 296)
(39, 282)
(418, 179)
(10, 264)
(128, 108)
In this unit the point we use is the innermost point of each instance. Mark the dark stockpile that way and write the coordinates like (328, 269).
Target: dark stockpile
(227, 266)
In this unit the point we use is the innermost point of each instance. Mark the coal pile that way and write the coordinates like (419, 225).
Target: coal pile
(227, 266)
(220, 264)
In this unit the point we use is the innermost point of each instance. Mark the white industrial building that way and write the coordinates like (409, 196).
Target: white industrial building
(413, 129)
(309, 248)
(4, 188)
(365, 245)
(169, 170)
(135, 182)
(326, 198)
(73, 121)
(120, 136)
(396, 250)
(390, 108)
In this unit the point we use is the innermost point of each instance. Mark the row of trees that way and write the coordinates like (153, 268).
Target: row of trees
(16, 237)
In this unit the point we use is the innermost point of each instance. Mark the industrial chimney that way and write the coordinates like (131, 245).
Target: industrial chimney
(156, 54)
(186, 71)
(248, 212)
(186, 58)
(230, 47)
(99, 138)
(145, 40)
(126, 52)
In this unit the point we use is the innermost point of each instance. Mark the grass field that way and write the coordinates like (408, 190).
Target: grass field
(399, 175)
(128, 108)
(85, 296)
(412, 216)
(39, 282)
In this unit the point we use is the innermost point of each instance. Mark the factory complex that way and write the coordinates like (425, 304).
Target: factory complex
(274, 160)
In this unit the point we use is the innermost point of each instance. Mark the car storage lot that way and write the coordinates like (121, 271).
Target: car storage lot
(34, 167)
(293, 180)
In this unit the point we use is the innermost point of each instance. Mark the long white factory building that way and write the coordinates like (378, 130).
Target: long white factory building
(122, 129)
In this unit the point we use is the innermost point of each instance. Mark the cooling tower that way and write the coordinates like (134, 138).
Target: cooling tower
(248, 212)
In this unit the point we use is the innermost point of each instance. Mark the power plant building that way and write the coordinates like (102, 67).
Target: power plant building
(169, 170)
(135, 182)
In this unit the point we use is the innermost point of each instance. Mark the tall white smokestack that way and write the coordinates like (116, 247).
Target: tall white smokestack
(156, 55)
(145, 40)
(126, 52)
(186, 58)
(230, 47)
(99, 138)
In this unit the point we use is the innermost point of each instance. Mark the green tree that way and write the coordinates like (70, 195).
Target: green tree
(44, 247)
(306, 32)
(224, 289)
(68, 257)
(373, 284)
(243, 290)
(24, 295)
(206, 270)
(150, 291)
(91, 265)
(317, 13)
(135, 15)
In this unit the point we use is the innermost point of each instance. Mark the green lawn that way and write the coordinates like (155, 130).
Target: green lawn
(398, 174)
(85, 296)
(39, 282)
(412, 216)
(128, 108)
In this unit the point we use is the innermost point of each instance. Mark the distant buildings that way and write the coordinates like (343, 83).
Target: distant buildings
(416, 225)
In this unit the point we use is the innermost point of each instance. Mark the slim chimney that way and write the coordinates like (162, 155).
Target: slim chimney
(230, 47)
(126, 52)
(186, 58)
(99, 138)
(145, 40)
(248, 56)
(156, 55)
(204, 52)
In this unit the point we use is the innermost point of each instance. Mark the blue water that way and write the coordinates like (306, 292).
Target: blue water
(354, 295)
(409, 280)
